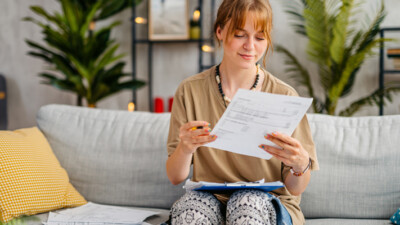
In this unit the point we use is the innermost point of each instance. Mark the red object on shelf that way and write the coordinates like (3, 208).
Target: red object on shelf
(170, 100)
(158, 105)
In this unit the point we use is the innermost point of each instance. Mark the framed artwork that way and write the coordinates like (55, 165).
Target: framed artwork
(168, 19)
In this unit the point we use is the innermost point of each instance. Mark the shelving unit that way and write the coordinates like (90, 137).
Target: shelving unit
(382, 70)
(151, 43)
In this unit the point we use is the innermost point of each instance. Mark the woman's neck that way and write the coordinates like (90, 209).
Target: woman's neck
(233, 77)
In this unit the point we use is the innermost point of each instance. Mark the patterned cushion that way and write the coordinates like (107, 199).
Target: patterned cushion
(396, 217)
(31, 178)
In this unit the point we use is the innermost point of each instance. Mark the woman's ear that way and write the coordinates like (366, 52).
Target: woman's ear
(219, 33)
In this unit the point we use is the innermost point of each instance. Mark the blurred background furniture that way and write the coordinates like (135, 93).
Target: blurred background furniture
(118, 158)
(382, 69)
(3, 103)
(205, 44)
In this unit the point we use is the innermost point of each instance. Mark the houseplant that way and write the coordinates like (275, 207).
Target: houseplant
(83, 60)
(338, 48)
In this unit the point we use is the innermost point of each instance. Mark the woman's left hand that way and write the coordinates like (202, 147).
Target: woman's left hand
(292, 153)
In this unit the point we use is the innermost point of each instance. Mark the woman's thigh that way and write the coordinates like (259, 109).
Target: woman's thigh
(250, 207)
(197, 208)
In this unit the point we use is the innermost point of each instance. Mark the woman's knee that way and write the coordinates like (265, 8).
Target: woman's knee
(250, 206)
(197, 208)
(255, 198)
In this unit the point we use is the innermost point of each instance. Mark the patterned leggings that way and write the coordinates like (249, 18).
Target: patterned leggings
(244, 207)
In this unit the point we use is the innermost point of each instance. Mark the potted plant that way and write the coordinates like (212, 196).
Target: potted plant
(83, 59)
(338, 48)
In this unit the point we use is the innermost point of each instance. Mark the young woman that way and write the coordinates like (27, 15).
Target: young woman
(244, 29)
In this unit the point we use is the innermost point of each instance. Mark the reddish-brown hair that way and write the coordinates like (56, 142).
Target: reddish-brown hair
(236, 11)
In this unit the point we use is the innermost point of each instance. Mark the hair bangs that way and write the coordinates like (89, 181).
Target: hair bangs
(262, 21)
(262, 16)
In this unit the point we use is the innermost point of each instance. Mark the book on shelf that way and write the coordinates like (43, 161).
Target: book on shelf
(396, 63)
(393, 52)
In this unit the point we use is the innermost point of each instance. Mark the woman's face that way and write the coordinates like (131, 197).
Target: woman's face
(246, 47)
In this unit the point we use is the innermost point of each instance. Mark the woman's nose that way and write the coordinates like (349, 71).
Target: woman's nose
(249, 44)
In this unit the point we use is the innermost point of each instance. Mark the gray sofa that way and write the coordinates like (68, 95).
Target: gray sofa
(118, 158)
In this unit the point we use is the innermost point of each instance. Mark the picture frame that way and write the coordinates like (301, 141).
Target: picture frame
(168, 20)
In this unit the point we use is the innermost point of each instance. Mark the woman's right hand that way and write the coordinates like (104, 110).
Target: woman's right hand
(192, 138)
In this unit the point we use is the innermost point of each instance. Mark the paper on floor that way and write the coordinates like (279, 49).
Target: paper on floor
(96, 214)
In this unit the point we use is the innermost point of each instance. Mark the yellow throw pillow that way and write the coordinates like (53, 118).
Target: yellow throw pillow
(32, 180)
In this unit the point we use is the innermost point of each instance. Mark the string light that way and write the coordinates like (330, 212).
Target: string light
(131, 107)
(207, 48)
(92, 25)
(196, 15)
(140, 20)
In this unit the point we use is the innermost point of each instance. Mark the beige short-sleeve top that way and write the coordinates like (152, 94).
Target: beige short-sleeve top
(198, 98)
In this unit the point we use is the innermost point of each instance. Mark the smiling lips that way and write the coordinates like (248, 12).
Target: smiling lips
(246, 57)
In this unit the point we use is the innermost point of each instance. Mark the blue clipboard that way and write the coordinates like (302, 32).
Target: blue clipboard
(270, 186)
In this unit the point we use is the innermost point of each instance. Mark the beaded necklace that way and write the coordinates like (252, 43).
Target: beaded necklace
(218, 78)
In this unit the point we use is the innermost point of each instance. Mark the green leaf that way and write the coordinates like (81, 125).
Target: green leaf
(101, 91)
(89, 18)
(113, 7)
(372, 99)
(373, 30)
(71, 74)
(108, 58)
(353, 63)
(98, 44)
(116, 87)
(318, 31)
(133, 84)
(56, 20)
(57, 40)
(114, 73)
(340, 33)
(128, 85)
(38, 46)
(350, 83)
(295, 10)
(30, 19)
(109, 76)
(83, 71)
(40, 55)
(69, 12)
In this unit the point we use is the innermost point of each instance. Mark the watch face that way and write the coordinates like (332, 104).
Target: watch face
(168, 19)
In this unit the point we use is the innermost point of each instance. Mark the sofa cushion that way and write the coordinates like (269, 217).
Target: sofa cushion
(31, 178)
(112, 157)
(359, 167)
(347, 222)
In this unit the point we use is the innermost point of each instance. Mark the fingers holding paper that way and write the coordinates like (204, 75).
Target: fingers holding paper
(291, 152)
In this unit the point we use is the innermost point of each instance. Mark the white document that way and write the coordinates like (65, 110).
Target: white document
(96, 214)
(251, 115)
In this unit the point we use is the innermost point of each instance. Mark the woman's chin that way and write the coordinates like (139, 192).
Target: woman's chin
(246, 64)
